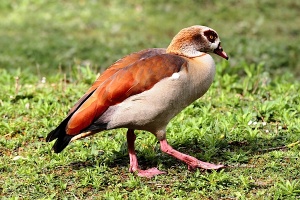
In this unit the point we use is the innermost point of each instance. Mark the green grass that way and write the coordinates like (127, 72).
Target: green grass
(248, 120)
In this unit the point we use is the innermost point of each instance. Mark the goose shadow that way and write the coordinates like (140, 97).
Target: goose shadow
(221, 153)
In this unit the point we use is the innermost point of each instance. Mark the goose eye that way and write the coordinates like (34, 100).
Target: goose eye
(211, 35)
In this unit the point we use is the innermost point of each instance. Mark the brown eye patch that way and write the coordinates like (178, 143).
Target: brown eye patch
(211, 35)
(197, 37)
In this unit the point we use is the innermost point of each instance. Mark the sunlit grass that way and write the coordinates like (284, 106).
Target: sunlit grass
(253, 131)
(248, 120)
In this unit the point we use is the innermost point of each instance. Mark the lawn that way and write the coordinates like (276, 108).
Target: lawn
(51, 52)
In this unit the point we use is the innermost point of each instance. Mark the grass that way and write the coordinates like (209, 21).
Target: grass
(248, 120)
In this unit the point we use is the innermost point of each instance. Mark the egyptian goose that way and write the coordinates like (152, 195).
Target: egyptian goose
(144, 91)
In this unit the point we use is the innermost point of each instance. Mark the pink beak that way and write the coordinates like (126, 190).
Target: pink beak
(219, 51)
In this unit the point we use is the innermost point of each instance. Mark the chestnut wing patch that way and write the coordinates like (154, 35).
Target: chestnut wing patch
(119, 64)
(127, 81)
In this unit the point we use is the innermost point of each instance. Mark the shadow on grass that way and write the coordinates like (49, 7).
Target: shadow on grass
(21, 97)
(247, 148)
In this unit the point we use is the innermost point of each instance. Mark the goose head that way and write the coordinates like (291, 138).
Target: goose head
(196, 40)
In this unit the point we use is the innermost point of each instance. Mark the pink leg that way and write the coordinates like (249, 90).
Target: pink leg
(189, 160)
(134, 166)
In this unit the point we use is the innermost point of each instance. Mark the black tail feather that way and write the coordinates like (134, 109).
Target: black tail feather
(61, 143)
(60, 132)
